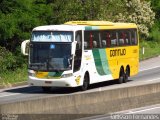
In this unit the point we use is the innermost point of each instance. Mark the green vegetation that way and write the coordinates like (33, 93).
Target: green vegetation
(19, 17)
(17, 76)
(151, 49)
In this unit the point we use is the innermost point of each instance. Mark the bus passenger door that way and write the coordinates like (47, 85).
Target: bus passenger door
(78, 53)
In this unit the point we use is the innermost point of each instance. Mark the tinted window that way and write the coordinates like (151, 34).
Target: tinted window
(92, 39)
(110, 38)
(128, 38)
(87, 40)
(124, 37)
(113, 37)
(121, 38)
(96, 39)
(78, 53)
(79, 39)
(105, 39)
(133, 37)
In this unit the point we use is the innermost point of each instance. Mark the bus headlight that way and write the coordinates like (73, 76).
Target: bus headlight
(31, 73)
(67, 75)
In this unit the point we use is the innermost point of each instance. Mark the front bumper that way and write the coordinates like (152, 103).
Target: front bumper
(62, 82)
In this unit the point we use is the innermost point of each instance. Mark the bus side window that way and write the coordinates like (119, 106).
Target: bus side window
(87, 39)
(79, 40)
(108, 39)
(105, 39)
(133, 37)
(121, 38)
(91, 40)
(113, 38)
(96, 39)
(85, 45)
(78, 53)
(128, 41)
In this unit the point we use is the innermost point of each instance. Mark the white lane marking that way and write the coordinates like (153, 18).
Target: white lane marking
(149, 68)
(153, 80)
(9, 95)
(131, 112)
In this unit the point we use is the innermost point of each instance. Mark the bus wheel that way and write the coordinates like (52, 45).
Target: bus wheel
(126, 75)
(46, 89)
(121, 76)
(85, 83)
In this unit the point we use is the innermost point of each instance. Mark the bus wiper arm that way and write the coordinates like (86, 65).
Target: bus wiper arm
(37, 64)
(59, 69)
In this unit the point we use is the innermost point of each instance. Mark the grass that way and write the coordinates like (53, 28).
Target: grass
(11, 77)
(20, 75)
(151, 49)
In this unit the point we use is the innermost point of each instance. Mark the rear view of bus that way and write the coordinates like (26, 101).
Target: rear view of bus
(80, 53)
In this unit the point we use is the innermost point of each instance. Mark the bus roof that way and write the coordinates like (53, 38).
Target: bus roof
(103, 24)
(85, 25)
(90, 23)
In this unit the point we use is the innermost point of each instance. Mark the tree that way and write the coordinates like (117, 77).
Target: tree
(155, 30)
(136, 11)
(18, 18)
(156, 7)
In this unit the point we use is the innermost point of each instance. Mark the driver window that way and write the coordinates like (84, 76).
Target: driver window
(79, 40)
(78, 53)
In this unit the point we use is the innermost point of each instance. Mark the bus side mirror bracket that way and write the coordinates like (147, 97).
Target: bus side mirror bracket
(25, 47)
(73, 50)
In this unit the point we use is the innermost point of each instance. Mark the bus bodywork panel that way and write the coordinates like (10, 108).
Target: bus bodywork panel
(102, 64)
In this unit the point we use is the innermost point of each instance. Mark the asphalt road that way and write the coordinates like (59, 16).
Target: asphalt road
(143, 113)
(149, 73)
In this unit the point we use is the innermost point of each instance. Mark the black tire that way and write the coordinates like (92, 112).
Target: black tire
(85, 83)
(121, 76)
(46, 89)
(126, 75)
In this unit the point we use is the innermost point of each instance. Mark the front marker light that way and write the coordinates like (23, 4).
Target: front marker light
(31, 73)
(67, 75)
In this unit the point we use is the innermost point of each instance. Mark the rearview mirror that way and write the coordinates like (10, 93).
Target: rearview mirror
(25, 47)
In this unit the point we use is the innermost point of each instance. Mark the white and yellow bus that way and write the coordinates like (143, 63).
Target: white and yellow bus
(80, 53)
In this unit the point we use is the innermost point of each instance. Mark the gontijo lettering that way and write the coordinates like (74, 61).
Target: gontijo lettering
(117, 52)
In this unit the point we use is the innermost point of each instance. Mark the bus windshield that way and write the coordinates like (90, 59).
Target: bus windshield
(50, 56)
(52, 36)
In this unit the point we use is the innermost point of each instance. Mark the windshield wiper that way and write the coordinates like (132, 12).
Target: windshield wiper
(58, 69)
(37, 66)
